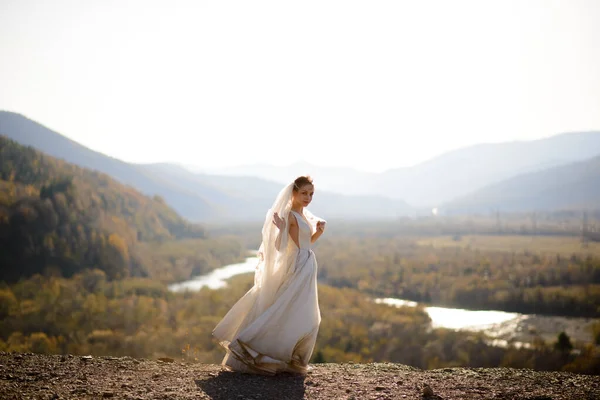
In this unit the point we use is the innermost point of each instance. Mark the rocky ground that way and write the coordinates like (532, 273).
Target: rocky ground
(34, 376)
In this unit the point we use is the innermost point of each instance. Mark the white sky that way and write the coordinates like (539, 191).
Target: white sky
(367, 84)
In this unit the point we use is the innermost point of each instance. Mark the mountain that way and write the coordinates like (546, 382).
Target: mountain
(250, 197)
(30, 133)
(197, 197)
(340, 192)
(60, 217)
(448, 176)
(330, 179)
(460, 172)
(574, 186)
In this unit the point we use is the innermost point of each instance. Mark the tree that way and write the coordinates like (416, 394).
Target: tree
(8, 303)
(40, 343)
(319, 358)
(563, 344)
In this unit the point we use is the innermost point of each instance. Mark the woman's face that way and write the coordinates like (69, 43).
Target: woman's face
(304, 195)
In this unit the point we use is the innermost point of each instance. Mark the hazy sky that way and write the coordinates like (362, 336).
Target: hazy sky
(368, 84)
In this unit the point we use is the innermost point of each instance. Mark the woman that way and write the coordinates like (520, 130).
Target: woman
(273, 327)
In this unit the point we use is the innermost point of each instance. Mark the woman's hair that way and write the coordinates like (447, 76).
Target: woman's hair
(301, 181)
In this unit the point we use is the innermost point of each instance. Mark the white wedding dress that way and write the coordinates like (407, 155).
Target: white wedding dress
(278, 336)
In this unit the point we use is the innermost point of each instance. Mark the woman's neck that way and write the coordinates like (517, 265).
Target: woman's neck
(297, 209)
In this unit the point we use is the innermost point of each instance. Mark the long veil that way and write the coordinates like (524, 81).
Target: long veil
(275, 256)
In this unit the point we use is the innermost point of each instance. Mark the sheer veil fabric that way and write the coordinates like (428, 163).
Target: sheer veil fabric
(273, 327)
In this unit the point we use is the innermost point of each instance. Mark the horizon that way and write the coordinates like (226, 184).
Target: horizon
(220, 85)
(198, 169)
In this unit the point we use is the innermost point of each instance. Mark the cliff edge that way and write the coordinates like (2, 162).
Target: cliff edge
(36, 376)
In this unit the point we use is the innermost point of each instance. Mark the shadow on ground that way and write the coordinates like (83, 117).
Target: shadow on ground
(236, 385)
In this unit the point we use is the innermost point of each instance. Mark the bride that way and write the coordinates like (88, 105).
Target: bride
(273, 327)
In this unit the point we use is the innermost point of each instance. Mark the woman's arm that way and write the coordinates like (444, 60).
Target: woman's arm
(280, 224)
(278, 239)
(319, 232)
(293, 230)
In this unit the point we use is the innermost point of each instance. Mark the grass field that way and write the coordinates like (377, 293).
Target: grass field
(564, 245)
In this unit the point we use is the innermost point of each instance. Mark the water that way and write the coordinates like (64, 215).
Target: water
(457, 318)
(503, 328)
(217, 278)
(441, 317)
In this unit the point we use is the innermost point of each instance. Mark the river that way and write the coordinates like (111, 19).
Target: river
(217, 278)
(502, 327)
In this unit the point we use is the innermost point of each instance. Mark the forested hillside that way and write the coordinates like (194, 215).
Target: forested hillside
(59, 218)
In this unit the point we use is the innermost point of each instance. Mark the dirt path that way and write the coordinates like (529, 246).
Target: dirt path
(33, 376)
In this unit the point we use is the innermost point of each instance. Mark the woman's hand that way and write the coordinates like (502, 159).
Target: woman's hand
(321, 226)
(279, 222)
